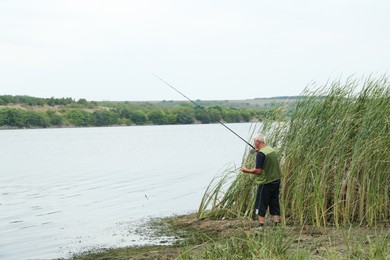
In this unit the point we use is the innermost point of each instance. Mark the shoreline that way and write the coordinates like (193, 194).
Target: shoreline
(208, 239)
(79, 127)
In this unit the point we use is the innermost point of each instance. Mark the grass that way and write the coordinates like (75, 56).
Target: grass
(335, 160)
(240, 239)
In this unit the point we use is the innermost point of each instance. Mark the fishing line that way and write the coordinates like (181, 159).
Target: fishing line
(204, 110)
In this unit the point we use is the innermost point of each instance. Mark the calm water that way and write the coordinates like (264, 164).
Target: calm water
(64, 191)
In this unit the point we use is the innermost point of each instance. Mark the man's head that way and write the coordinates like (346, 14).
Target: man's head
(259, 141)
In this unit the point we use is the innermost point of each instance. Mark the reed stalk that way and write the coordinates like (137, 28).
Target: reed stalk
(335, 159)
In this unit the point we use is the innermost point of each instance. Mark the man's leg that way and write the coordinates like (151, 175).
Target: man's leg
(264, 201)
(274, 205)
(275, 219)
(257, 203)
(261, 220)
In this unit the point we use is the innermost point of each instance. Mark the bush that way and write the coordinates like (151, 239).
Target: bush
(13, 117)
(55, 119)
(78, 117)
(185, 115)
(138, 117)
(158, 117)
(36, 119)
(104, 118)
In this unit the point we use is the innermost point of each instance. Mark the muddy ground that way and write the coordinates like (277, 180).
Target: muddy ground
(193, 236)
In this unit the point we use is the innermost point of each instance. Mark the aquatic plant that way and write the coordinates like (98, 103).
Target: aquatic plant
(335, 159)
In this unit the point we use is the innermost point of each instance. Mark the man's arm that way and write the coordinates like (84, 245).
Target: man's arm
(260, 158)
(251, 171)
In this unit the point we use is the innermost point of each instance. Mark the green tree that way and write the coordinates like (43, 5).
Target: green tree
(13, 117)
(246, 115)
(51, 101)
(78, 117)
(138, 117)
(54, 118)
(3, 117)
(231, 115)
(185, 115)
(124, 121)
(64, 101)
(83, 102)
(40, 102)
(123, 112)
(202, 116)
(171, 117)
(38, 119)
(157, 117)
(216, 113)
(104, 118)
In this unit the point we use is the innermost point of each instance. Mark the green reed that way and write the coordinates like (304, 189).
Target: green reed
(335, 159)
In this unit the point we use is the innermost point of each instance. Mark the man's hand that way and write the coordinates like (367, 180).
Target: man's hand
(244, 169)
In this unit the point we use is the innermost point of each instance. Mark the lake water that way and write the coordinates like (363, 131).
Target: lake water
(64, 191)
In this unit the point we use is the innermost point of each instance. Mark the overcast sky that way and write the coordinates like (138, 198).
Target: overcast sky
(209, 50)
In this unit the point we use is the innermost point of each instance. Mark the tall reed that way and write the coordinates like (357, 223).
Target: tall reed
(335, 159)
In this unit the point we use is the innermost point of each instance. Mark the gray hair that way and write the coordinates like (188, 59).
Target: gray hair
(259, 137)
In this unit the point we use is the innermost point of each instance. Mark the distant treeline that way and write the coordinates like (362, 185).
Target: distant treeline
(40, 102)
(33, 112)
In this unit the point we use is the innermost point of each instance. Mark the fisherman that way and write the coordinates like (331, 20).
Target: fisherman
(267, 166)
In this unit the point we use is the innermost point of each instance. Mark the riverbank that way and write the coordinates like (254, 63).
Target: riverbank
(241, 239)
(30, 112)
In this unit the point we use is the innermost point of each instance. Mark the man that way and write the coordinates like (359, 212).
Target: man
(267, 165)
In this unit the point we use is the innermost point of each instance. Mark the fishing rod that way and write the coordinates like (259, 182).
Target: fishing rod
(204, 110)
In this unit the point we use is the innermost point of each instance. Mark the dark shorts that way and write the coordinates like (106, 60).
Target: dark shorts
(268, 196)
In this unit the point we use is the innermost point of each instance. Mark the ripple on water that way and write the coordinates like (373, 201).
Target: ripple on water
(49, 213)
(16, 221)
(74, 185)
(28, 226)
(70, 196)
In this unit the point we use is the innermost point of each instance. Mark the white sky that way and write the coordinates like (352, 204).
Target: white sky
(108, 50)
